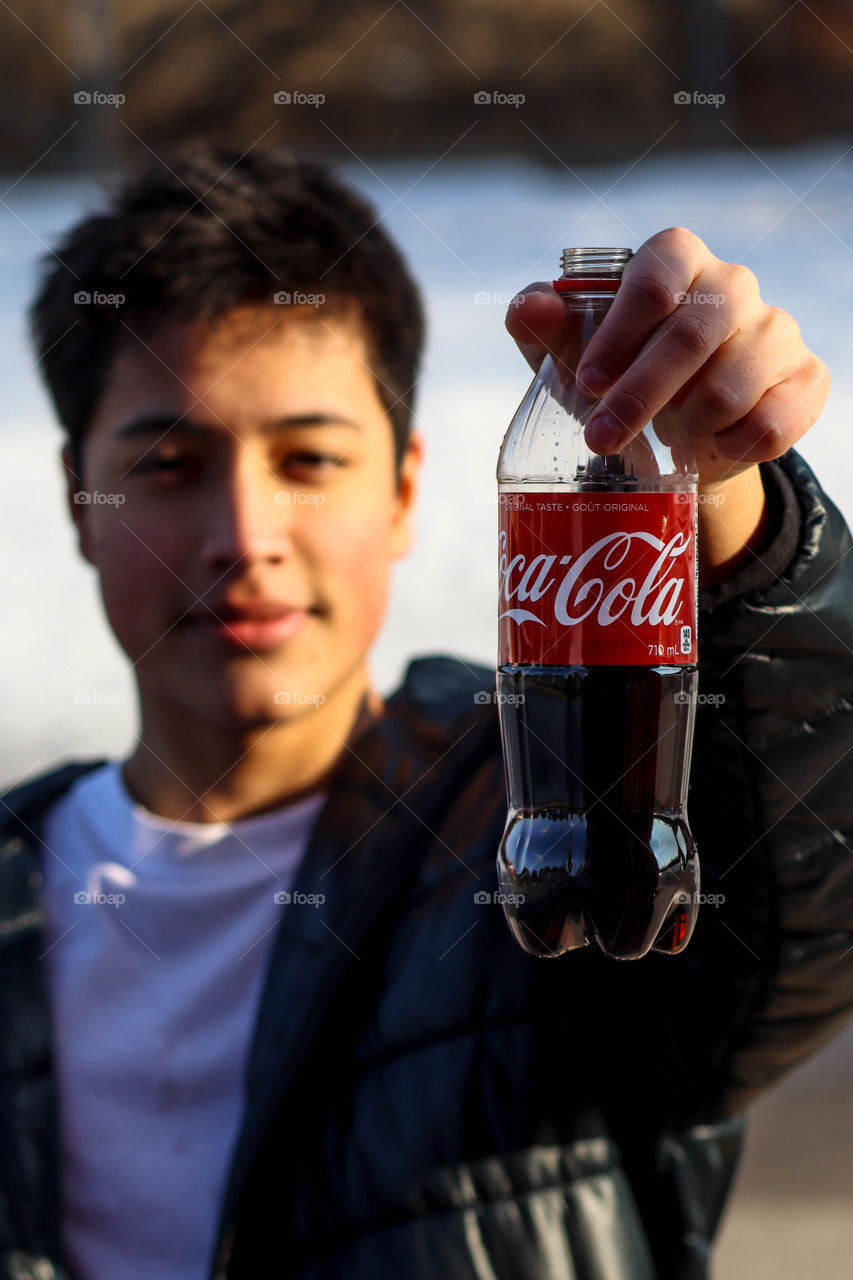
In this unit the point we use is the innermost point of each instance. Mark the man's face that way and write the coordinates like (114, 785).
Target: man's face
(244, 514)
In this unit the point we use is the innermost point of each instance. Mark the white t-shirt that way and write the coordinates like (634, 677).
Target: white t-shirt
(154, 985)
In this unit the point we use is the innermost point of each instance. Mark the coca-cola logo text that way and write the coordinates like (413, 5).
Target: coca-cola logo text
(597, 578)
(656, 600)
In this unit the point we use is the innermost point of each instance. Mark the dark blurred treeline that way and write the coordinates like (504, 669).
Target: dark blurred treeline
(382, 79)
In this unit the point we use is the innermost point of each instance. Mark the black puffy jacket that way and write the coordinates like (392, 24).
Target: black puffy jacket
(426, 1102)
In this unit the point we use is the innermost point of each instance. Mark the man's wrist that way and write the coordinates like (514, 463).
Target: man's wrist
(733, 525)
(762, 562)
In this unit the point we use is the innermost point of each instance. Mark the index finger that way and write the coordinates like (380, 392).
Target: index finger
(654, 282)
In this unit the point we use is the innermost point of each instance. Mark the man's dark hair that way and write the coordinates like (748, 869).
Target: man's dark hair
(206, 229)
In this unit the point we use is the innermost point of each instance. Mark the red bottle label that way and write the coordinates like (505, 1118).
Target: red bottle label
(597, 579)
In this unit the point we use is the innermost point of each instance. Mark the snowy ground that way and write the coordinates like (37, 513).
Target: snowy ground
(479, 231)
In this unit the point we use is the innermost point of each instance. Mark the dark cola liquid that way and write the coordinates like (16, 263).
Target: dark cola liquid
(597, 845)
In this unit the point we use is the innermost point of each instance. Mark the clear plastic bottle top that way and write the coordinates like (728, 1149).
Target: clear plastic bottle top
(592, 271)
(546, 445)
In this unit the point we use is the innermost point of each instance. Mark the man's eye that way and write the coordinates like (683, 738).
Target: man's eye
(165, 464)
(315, 463)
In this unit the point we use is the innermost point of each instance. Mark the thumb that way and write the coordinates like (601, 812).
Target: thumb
(537, 320)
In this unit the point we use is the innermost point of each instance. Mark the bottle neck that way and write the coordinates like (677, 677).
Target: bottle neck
(592, 272)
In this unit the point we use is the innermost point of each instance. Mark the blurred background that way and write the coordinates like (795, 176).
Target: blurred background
(488, 139)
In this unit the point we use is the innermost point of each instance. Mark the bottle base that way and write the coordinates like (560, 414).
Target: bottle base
(558, 898)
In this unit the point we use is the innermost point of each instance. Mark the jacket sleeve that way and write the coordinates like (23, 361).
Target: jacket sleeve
(767, 978)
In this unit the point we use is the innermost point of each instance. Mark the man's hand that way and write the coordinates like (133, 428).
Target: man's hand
(690, 333)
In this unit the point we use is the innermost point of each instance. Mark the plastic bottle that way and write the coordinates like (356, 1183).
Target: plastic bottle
(596, 661)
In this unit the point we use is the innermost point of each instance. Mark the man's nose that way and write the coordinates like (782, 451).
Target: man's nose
(247, 523)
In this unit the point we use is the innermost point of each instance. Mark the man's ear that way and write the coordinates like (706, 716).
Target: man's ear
(78, 510)
(403, 526)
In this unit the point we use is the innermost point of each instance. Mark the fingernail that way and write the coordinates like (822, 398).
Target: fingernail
(592, 379)
(603, 434)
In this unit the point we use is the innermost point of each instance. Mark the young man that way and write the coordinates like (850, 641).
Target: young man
(255, 1020)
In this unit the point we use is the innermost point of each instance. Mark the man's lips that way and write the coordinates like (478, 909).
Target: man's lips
(259, 625)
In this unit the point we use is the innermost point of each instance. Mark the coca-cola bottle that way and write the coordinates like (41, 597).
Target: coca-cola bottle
(596, 660)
